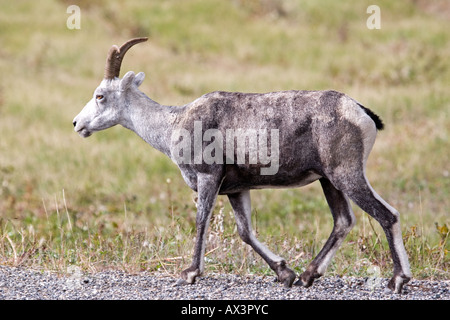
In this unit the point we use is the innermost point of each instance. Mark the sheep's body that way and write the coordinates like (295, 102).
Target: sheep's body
(294, 138)
(309, 142)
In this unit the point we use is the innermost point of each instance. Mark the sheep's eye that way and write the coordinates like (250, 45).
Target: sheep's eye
(99, 97)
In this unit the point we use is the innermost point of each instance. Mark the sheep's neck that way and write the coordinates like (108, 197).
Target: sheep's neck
(151, 121)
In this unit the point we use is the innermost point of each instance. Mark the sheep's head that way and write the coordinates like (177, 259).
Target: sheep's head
(105, 108)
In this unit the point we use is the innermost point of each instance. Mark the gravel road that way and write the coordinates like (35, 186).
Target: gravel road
(24, 284)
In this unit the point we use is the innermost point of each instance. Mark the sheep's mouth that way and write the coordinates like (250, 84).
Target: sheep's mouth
(83, 132)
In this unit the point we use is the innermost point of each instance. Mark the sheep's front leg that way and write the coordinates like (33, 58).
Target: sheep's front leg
(208, 187)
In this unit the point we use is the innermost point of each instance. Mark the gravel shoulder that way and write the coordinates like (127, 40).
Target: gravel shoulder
(25, 284)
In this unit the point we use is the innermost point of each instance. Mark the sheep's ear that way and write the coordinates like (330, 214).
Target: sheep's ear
(139, 79)
(126, 81)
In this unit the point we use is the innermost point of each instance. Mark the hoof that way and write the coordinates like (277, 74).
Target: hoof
(300, 283)
(303, 283)
(306, 279)
(285, 275)
(397, 282)
(288, 278)
(180, 282)
(189, 275)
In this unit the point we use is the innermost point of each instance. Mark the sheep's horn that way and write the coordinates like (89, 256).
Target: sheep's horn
(115, 56)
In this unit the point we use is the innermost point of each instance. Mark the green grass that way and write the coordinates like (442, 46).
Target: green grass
(111, 201)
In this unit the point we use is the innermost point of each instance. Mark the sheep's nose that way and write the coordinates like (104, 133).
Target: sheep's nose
(74, 123)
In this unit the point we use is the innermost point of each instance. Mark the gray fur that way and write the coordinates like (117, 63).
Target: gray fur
(323, 135)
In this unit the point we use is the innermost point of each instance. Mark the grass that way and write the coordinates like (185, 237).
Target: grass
(111, 201)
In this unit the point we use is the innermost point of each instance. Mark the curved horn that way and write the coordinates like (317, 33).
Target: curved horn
(115, 56)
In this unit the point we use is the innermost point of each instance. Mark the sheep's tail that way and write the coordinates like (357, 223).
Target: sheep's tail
(378, 122)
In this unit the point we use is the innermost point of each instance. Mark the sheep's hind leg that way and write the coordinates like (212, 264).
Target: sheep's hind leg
(344, 221)
(242, 211)
(389, 218)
